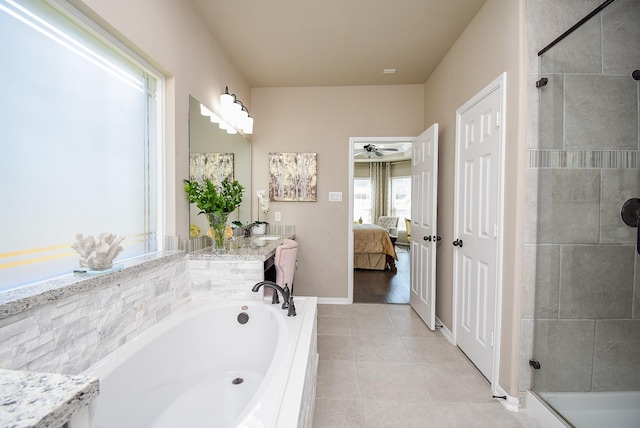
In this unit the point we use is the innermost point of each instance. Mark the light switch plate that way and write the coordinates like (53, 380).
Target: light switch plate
(335, 196)
(277, 216)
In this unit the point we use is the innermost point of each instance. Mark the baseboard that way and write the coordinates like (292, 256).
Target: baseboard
(333, 301)
(445, 331)
(511, 403)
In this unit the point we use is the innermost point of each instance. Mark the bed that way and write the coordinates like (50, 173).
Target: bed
(372, 248)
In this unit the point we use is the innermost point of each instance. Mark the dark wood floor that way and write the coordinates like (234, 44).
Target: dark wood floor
(376, 286)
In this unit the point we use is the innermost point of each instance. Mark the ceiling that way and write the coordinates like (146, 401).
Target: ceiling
(278, 43)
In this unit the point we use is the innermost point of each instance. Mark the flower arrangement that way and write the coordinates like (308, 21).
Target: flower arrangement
(263, 202)
(216, 202)
(210, 198)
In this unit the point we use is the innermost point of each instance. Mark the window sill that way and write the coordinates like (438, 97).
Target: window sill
(17, 300)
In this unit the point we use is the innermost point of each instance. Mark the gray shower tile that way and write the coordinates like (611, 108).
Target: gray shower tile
(618, 185)
(531, 202)
(636, 289)
(551, 125)
(564, 349)
(596, 281)
(578, 53)
(547, 281)
(568, 206)
(548, 20)
(529, 281)
(533, 107)
(601, 112)
(621, 37)
(526, 351)
(616, 365)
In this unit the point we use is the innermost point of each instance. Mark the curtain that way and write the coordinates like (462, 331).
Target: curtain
(380, 175)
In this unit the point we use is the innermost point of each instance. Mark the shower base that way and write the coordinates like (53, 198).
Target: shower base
(596, 409)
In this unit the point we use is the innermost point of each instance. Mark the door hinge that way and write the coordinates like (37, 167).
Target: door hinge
(498, 118)
(493, 339)
(495, 230)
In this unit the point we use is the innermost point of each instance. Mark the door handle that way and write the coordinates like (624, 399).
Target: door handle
(435, 238)
(427, 238)
(457, 243)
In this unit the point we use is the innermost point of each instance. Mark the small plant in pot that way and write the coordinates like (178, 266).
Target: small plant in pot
(216, 202)
(259, 227)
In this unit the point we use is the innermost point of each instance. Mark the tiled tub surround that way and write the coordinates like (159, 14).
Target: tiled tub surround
(581, 269)
(181, 371)
(65, 325)
(231, 274)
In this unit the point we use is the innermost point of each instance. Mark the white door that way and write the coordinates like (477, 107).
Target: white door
(424, 197)
(477, 224)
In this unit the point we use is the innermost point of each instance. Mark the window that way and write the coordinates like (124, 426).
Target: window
(362, 200)
(401, 199)
(80, 147)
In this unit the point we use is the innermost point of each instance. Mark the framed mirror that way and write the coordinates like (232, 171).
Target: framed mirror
(215, 153)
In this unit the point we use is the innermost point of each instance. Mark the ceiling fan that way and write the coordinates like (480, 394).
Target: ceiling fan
(370, 149)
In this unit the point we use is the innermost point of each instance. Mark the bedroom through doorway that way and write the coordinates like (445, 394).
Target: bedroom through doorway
(380, 198)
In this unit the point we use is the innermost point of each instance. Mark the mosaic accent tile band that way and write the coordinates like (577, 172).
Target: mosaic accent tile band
(611, 159)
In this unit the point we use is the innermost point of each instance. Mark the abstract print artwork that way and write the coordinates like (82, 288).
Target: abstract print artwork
(293, 177)
(214, 166)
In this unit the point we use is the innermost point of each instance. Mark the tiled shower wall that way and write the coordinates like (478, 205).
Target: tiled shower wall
(581, 269)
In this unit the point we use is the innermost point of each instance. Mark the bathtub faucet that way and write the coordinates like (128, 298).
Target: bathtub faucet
(286, 294)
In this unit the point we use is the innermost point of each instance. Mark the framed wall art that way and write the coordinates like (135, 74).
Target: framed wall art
(293, 177)
(214, 166)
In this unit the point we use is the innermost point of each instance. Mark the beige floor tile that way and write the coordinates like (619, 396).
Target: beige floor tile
(392, 381)
(372, 326)
(333, 311)
(380, 348)
(337, 379)
(341, 413)
(431, 348)
(375, 377)
(394, 414)
(485, 415)
(367, 310)
(335, 348)
(334, 326)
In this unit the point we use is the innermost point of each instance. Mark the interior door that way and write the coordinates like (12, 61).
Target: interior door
(424, 197)
(476, 226)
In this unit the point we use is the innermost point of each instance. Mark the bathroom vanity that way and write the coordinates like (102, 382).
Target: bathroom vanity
(233, 272)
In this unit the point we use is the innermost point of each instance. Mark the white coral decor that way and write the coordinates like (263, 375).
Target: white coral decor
(98, 253)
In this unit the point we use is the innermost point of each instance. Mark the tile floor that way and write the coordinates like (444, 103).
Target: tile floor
(380, 366)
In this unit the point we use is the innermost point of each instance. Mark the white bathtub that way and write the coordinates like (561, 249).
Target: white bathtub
(202, 368)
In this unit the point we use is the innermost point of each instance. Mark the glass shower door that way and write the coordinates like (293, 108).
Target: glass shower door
(587, 315)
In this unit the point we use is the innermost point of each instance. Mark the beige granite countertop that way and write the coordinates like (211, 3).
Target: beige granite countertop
(253, 248)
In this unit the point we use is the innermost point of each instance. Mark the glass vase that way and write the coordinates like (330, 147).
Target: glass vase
(217, 224)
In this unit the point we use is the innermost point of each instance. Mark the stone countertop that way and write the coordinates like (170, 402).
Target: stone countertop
(17, 300)
(253, 248)
(31, 399)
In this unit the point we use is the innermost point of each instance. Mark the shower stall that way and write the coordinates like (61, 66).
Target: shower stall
(586, 344)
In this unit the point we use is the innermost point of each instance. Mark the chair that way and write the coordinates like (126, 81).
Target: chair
(408, 223)
(387, 222)
(285, 262)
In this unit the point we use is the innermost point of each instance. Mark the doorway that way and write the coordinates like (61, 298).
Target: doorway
(379, 286)
(478, 226)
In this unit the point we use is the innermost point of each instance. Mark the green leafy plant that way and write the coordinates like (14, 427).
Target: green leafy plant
(209, 198)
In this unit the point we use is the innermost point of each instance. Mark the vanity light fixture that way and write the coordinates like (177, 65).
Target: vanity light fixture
(214, 118)
(235, 113)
